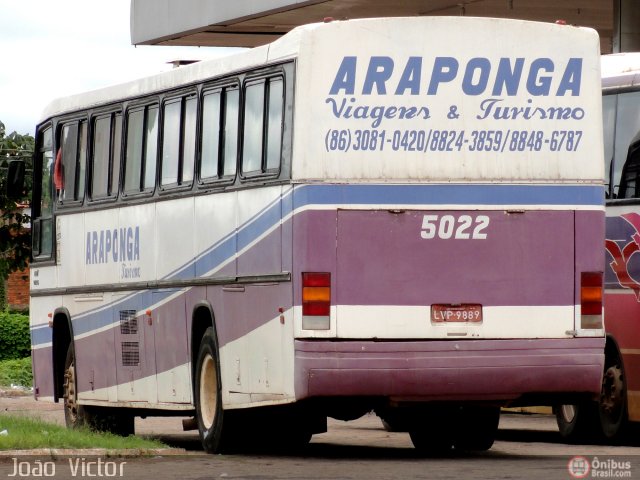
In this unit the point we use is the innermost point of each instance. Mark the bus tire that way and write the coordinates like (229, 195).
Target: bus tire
(465, 428)
(432, 441)
(79, 416)
(112, 420)
(477, 428)
(613, 399)
(75, 415)
(432, 432)
(579, 422)
(208, 394)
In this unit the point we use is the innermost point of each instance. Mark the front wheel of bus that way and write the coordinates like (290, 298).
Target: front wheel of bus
(208, 394)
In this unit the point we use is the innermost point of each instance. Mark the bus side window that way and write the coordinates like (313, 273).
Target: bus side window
(211, 118)
(141, 150)
(627, 128)
(105, 158)
(42, 227)
(630, 182)
(178, 141)
(69, 170)
(275, 104)
(219, 134)
(230, 135)
(263, 125)
(609, 104)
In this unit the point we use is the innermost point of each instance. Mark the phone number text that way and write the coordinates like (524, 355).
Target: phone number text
(453, 140)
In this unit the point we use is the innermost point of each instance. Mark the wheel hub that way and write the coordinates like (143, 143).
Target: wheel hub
(612, 390)
(208, 391)
(568, 412)
(69, 393)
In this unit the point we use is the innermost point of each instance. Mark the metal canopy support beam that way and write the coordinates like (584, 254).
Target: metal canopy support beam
(176, 21)
(250, 23)
(626, 37)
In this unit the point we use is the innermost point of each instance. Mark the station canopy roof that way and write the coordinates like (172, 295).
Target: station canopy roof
(225, 23)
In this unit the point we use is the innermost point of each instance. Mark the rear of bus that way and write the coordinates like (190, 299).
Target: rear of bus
(448, 217)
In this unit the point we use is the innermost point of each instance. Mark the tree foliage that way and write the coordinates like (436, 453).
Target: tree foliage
(15, 234)
(15, 341)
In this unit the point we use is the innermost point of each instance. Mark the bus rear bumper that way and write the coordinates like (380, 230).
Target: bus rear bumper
(470, 370)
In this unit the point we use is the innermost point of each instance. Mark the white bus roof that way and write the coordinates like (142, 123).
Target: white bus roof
(284, 48)
(620, 70)
(281, 49)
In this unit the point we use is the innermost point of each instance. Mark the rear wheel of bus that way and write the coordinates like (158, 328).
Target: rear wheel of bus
(208, 394)
(613, 398)
(604, 419)
(78, 416)
(579, 422)
(462, 429)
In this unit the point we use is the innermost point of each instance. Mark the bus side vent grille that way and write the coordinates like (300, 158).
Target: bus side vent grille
(128, 322)
(130, 354)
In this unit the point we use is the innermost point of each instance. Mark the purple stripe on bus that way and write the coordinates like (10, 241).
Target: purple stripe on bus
(42, 372)
(463, 370)
(389, 236)
(166, 331)
(382, 259)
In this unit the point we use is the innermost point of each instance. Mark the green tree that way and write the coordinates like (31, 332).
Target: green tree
(15, 239)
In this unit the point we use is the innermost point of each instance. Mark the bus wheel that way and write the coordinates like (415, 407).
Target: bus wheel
(613, 401)
(577, 423)
(100, 419)
(432, 441)
(478, 428)
(112, 420)
(466, 428)
(432, 433)
(75, 416)
(208, 394)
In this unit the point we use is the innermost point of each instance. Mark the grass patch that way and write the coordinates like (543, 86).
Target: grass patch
(28, 433)
(16, 372)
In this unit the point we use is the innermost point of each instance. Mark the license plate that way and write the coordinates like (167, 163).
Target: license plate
(471, 313)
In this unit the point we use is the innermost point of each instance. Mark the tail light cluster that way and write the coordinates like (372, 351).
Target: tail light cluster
(316, 300)
(591, 300)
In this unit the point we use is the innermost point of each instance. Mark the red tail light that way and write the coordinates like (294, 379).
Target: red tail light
(316, 300)
(591, 299)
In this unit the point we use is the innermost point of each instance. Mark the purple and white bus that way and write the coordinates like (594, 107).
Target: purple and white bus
(402, 215)
(617, 410)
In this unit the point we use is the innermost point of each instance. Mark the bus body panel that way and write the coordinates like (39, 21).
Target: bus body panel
(431, 135)
(622, 296)
(241, 235)
(384, 260)
(622, 309)
(455, 111)
(452, 371)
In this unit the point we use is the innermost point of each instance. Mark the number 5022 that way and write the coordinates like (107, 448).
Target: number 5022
(464, 227)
